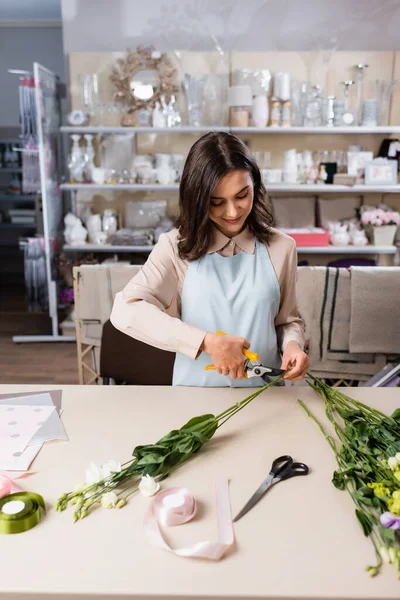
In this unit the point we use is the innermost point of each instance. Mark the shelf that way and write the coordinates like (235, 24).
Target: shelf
(18, 197)
(330, 188)
(318, 130)
(10, 170)
(17, 226)
(300, 249)
(346, 249)
(183, 129)
(381, 130)
(108, 248)
(128, 187)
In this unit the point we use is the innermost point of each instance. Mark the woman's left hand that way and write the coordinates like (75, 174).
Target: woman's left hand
(295, 359)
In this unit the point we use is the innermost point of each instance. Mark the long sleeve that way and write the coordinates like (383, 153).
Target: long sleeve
(140, 309)
(288, 323)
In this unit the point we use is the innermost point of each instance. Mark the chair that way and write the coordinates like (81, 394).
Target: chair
(130, 361)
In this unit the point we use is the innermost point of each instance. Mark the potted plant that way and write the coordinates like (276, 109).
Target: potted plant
(381, 225)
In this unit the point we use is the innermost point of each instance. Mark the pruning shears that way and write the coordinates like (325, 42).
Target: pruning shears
(252, 366)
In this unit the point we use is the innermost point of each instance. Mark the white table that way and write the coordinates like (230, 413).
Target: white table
(301, 541)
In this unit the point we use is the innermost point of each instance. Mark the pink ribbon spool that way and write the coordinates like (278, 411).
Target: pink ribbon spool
(176, 506)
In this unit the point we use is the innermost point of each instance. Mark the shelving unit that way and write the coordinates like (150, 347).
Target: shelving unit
(271, 188)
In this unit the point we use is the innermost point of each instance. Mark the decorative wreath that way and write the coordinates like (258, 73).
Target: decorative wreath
(144, 59)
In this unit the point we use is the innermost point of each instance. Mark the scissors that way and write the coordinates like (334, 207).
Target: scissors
(252, 366)
(282, 468)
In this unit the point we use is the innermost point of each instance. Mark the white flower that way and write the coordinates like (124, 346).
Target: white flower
(112, 466)
(148, 486)
(397, 457)
(93, 474)
(393, 462)
(109, 500)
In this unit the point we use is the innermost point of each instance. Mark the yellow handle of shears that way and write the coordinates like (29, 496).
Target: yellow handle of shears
(252, 356)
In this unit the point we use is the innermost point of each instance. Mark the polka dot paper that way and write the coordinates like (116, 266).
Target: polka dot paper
(18, 425)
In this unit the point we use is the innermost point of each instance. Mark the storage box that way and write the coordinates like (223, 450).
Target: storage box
(336, 209)
(293, 211)
(344, 179)
(314, 236)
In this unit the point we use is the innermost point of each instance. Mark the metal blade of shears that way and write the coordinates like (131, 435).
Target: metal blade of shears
(255, 497)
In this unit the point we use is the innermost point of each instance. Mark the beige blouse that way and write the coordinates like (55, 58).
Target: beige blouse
(149, 307)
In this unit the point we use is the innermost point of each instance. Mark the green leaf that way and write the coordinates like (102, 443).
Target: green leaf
(141, 451)
(387, 535)
(366, 491)
(396, 415)
(151, 470)
(173, 459)
(170, 437)
(187, 445)
(339, 480)
(150, 459)
(365, 521)
(199, 423)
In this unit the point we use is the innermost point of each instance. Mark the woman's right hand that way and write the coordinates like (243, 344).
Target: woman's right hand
(226, 353)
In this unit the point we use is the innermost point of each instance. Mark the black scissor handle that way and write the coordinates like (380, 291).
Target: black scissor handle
(280, 465)
(295, 469)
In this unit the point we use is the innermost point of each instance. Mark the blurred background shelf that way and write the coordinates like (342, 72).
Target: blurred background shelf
(107, 248)
(380, 130)
(331, 188)
(133, 187)
(346, 249)
(300, 249)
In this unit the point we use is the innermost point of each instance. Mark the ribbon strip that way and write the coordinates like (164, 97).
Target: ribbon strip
(7, 485)
(176, 506)
(20, 512)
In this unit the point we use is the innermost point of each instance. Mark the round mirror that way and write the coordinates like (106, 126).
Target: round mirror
(144, 84)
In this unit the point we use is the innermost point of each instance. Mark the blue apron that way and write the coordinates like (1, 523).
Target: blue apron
(239, 295)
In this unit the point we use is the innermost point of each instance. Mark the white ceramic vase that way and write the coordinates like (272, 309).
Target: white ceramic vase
(260, 114)
(384, 235)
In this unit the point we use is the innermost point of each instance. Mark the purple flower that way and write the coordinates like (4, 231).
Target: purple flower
(390, 521)
(67, 295)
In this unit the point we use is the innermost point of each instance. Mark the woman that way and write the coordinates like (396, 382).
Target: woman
(223, 268)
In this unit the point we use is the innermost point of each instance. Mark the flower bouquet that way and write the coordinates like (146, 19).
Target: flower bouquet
(113, 484)
(382, 225)
(368, 467)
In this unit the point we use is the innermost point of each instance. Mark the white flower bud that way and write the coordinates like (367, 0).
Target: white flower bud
(109, 500)
(93, 474)
(110, 467)
(148, 486)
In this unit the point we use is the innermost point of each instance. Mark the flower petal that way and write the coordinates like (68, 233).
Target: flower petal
(390, 521)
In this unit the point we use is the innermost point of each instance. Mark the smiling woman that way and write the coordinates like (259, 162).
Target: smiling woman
(225, 268)
(222, 180)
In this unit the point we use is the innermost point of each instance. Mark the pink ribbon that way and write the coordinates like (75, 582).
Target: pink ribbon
(176, 506)
(7, 485)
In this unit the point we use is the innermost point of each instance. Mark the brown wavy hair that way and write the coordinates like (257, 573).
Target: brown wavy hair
(211, 158)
